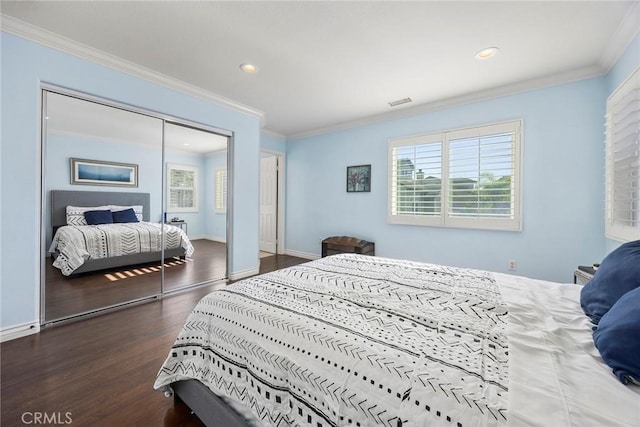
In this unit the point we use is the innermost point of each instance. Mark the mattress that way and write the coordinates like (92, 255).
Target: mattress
(358, 340)
(74, 244)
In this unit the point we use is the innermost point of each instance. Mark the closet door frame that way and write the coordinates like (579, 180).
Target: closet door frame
(165, 118)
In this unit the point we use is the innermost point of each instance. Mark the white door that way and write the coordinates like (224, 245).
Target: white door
(268, 203)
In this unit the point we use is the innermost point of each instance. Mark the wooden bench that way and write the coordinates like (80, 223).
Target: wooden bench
(345, 244)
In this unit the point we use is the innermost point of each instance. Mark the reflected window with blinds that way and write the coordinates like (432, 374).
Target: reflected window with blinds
(221, 190)
(468, 178)
(623, 161)
(182, 188)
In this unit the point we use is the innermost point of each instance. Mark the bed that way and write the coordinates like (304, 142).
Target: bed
(360, 340)
(79, 248)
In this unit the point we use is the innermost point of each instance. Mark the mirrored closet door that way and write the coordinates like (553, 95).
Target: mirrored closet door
(195, 201)
(133, 206)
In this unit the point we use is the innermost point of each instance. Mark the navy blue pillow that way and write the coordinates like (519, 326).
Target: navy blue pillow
(127, 215)
(98, 217)
(618, 274)
(617, 337)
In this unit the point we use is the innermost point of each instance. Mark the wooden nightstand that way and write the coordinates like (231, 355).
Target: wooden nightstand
(583, 274)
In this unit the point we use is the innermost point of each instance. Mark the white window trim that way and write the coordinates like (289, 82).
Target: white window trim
(196, 189)
(224, 201)
(443, 219)
(613, 230)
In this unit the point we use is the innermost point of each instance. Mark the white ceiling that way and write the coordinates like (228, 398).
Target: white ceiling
(323, 64)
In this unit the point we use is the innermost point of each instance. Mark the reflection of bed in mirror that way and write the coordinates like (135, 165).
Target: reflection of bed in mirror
(145, 249)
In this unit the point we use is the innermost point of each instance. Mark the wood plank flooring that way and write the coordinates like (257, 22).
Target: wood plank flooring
(101, 370)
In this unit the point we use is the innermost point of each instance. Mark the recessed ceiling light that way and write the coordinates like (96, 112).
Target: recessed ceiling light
(186, 144)
(249, 68)
(487, 53)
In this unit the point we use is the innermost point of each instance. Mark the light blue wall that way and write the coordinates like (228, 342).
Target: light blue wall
(562, 186)
(24, 66)
(149, 160)
(60, 148)
(625, 66)
(272, 142)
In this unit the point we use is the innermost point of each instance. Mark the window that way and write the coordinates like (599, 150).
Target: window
(622, 219)
(182, 188)
(221, 190)
(468, 178)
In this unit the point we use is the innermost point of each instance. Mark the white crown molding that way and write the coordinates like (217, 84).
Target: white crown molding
(485, 95)
(55, 41)
(273, 133)
(627, 31)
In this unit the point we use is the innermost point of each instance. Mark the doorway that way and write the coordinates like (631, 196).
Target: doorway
(271, 238)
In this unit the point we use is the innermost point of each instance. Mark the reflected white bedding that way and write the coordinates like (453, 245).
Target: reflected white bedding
(75, 244)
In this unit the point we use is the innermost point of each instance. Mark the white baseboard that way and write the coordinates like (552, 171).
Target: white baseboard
(206, 237)
(300, 254)
(19, 331)
(237, 275)
(216, 239)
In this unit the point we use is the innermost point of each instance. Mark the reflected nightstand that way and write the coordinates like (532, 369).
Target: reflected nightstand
(181, 224)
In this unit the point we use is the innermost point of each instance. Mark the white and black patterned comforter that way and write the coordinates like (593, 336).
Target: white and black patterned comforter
(353, 340)
(77, 243)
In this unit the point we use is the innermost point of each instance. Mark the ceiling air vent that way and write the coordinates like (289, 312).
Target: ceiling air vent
(399, 102)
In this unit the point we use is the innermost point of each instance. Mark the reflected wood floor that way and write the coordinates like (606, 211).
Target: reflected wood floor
(101, 370)
(66, 296)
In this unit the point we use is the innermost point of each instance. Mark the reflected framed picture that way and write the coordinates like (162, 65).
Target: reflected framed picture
(97, 172)
(358, 178)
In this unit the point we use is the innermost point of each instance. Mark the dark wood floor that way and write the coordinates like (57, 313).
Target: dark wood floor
(101, 370)
(67, 296)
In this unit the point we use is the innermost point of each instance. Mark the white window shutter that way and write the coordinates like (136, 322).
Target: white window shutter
(182, 188)
(623, 161)
(467, 178)
(221, 189)
(484, 177)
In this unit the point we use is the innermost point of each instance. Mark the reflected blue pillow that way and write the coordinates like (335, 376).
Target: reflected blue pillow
(618, 274)
(127, 215)
(98, 217)
(617, 337)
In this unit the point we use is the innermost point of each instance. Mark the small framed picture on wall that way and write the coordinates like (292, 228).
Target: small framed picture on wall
(358, 178)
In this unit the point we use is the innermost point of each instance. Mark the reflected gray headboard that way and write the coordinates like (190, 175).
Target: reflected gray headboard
(60, 199)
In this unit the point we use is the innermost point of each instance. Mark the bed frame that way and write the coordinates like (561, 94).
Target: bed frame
(60, 199)
(207, 406)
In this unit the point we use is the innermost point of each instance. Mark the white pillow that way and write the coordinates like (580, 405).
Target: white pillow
(136, 208)
(75, 214)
